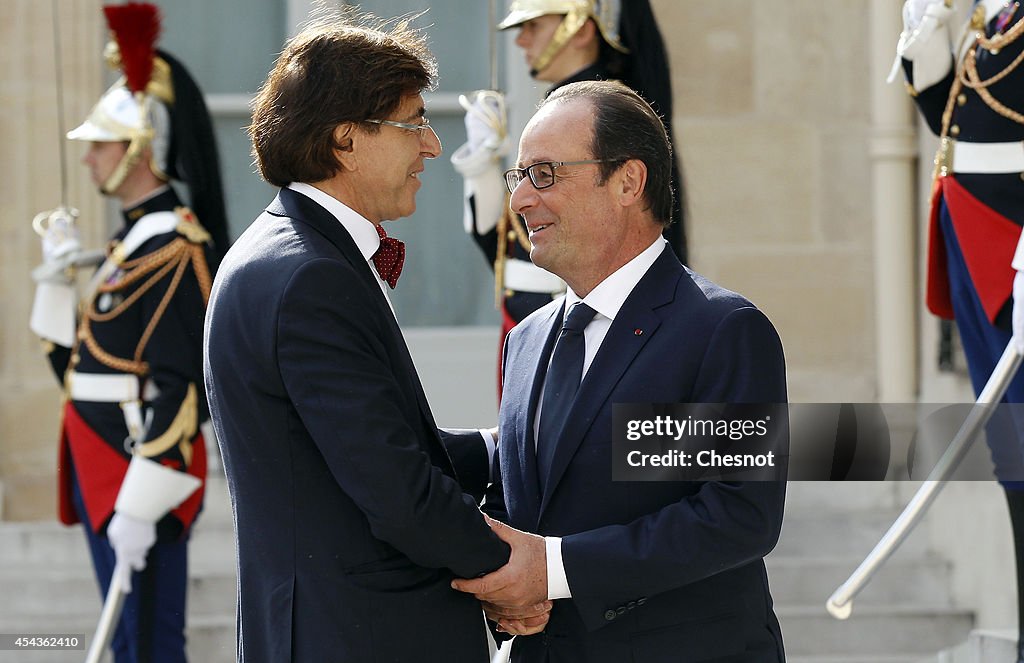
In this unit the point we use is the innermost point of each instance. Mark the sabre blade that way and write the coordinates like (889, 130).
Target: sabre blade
(112, 607)
(492, 42)
(840, 603)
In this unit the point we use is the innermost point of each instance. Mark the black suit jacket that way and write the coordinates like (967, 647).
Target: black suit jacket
(659, 571)
(349, 519)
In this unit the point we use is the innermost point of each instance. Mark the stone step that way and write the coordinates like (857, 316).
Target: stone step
(872, 630)
(50, 544)
(210, 639)
(844, 534)
(807, 581)
(803, 497)
(981, 646)
(46, 592)
(854, 658)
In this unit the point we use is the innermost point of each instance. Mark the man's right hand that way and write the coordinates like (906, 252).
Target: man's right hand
(58, 232)
(486, 125)
(915, 11)
(131, 540)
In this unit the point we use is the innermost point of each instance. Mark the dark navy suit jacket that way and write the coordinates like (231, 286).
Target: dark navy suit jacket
(659, 571)
(349, 519)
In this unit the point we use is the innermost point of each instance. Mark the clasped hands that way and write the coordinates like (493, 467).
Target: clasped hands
(514, 596)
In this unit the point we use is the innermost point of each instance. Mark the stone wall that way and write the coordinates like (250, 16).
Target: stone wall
(30, 172)
(772, 118)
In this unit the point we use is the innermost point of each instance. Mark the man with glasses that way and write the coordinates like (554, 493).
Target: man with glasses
(562, 41)
(638, 571)
(350, 518)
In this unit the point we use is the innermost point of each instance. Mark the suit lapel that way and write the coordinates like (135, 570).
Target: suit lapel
(620, 347)
(294, 205)
(538, 341)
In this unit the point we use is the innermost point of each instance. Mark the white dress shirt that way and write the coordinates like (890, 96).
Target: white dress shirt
(607, 298)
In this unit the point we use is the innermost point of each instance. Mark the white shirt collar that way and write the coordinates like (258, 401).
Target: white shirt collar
(610, 294)
(362, 230)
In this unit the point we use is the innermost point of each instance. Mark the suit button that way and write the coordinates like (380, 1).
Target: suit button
(621, 610)
(609, 615)
(641, 601)
(630, 605)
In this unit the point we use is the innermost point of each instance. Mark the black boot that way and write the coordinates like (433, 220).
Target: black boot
(1015, 502)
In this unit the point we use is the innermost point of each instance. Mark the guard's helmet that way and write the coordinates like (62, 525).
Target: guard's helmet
(604, 12)
(156, 104)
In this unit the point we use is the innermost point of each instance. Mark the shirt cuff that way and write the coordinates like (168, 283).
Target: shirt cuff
(558, 584)
(489, 445)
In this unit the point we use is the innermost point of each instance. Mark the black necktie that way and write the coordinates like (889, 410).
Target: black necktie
(563, 381)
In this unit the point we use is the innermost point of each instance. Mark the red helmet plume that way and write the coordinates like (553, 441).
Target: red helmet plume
(136, 26)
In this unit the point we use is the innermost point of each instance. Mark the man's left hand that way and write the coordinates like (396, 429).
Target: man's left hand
(521, 583)
(519, 621)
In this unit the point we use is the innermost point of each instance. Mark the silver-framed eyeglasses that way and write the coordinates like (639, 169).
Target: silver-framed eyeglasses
(542, 173)
(420, 129)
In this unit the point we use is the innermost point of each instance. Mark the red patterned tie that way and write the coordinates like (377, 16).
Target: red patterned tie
(389, 258)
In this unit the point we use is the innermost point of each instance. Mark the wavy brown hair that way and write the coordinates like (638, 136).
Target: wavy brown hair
(338, 69)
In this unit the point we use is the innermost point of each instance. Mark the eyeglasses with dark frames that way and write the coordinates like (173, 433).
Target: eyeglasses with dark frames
(420, 129)
(542, 173)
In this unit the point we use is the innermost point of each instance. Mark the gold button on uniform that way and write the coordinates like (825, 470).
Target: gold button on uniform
(954, 130)
(961, 99)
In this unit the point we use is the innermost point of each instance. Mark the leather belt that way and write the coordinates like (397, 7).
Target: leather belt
(990, 158)
(524, 276)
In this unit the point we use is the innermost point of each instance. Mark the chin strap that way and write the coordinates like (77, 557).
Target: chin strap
(141, 138)
(569, 26)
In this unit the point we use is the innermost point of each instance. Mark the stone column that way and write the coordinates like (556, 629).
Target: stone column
(893, 152)
(30, 172)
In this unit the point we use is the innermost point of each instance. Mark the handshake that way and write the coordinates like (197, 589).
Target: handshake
(514, 596)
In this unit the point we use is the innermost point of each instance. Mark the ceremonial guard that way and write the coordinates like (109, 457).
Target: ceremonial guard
(563, 41)
(971, 93)
(132, 457)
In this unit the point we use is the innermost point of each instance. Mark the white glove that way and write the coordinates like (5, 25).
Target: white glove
(59, 233)
(486, 124)
(131, 540)
(486, 132)
(61, 246)
(914, 12)
(1018, 311)
(925, 41)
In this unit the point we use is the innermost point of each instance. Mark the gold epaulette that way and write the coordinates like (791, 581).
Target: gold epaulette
(189, 226)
